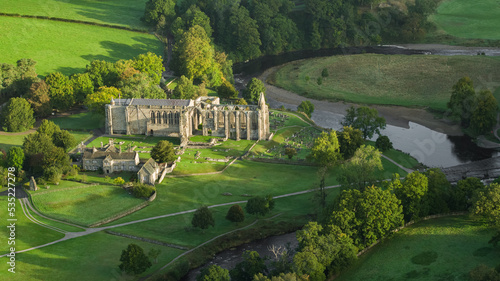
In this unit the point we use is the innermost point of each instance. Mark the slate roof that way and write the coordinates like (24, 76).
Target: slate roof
(114, 155)
(150, 167)
(156, 102)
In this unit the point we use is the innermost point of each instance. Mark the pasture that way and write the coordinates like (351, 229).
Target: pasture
(69, 47)
(80, 121)
(468, 19)
(417, 80)
(439, 249)
(114, 12)
(84, 204)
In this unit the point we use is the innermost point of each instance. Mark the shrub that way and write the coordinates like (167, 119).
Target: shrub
(307, 78)
(141, 190)
(235, 214)
(52, 174)
(324, 73)
(383, 143)
(319, 80)
(290, 152)
(119, 181)
(203, 218)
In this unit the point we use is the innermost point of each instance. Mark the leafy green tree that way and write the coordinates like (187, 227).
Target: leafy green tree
(52, 174)
(260, 205)
(15, 158)
(82, 86)
(307, 107)
(350, 140)
(141, 190)
(319, 81)
(16, 80)
(139, 85)
(241, 101)
(213, 273)
(438, 198)
(119, 181)
(38, 97)
(411, 192)
(359, 171)
(97, 101)
(324, 73)
(461, 102)
(251, 265)
(49, 128)
(484, 116)
(366, 119)
(253, 89)
(60, 91)
(163, 152)
(326, 150)
(291, 276)
(307, 263)
(64, 139)
(367, 216)
(150, 64)
(245, 34)
(235, 214)
(194, 16)
(103, 73)
(464, 193)
(226, 90)
(17, 115)
(184, 89)
(156, 9)
(383, 143)
(486, 203)
(37, 143)
(134, 260)
(203, 218)
(153, 253)
(56, 157)
(290, 152)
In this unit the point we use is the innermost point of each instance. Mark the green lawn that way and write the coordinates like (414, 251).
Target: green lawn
(139, 141)
(92, 257)
(114, 12)
(69, 47)
(418, 80)
(468, 19)
(8, 141)
(440, 249)
(80, 121)
(85, 205)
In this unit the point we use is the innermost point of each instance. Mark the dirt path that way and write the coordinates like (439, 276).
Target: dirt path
(394, 115)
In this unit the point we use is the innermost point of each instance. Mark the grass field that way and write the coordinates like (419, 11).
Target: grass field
(69, 47)
(92, 257)
(417, 80)
(80, 121)
(468, 19)
(8, 141)
(115, 12)
(85, 205)
(439, 249)
(140, 141)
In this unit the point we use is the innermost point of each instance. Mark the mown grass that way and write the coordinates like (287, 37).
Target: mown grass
(92, 257)
(440, 249)
(468, 19)
(80, 121)
(114, 12)
(10, 140)
(139, 141)
(418, 80)
(69, 47)
(85, 205)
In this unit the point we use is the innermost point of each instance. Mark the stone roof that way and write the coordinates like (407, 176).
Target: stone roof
(150, 167)
(156, 102)
(88, 154)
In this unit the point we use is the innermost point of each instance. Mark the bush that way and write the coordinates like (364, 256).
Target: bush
(143, 190)
(119, 181)
(320, 80)
(324, 73)
(52, 174)
(235, 214)
(290, 152)
(383, 143)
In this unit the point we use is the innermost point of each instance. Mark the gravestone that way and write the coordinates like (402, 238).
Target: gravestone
(33, 185)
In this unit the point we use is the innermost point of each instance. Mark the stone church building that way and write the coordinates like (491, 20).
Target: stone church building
(185, 118)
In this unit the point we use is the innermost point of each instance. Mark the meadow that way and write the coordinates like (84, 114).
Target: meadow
(439, 249)
(69, 47)
(468, 19)
(84, 205)
(114, 12)
(80, 121)
(417, 80)
(9, 140)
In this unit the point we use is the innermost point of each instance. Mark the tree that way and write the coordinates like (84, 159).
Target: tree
(119, 181)
(324, 73)
(153, 253)
(103, 73)
(366, 119)
(253, 89)
(290, 152)
(227, 91)
(350, 140)
(60, 91)
(38, 97)
(241, 101)
(367, 216)
(307, 107)
(260, 205)
(156, 9)
(64, 139)
(49, 128)
(411, 192)
(203, 218)
(163, 152)
(291, 276)
(307, 263)
(383, 143)
(52, 174)
(245, 34)
(251, 265)
(96, 102)
(82, 86)
(151, 65)
(235, 214)
(359, 172)
(15, 158)
(464, 193)
(438, 199)
(461, 102)
(141, 190)
(484, 116)
(17, 115)
(184, 89)
(486, 203)
(213, 273)
(326, 150)
(134, 260)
